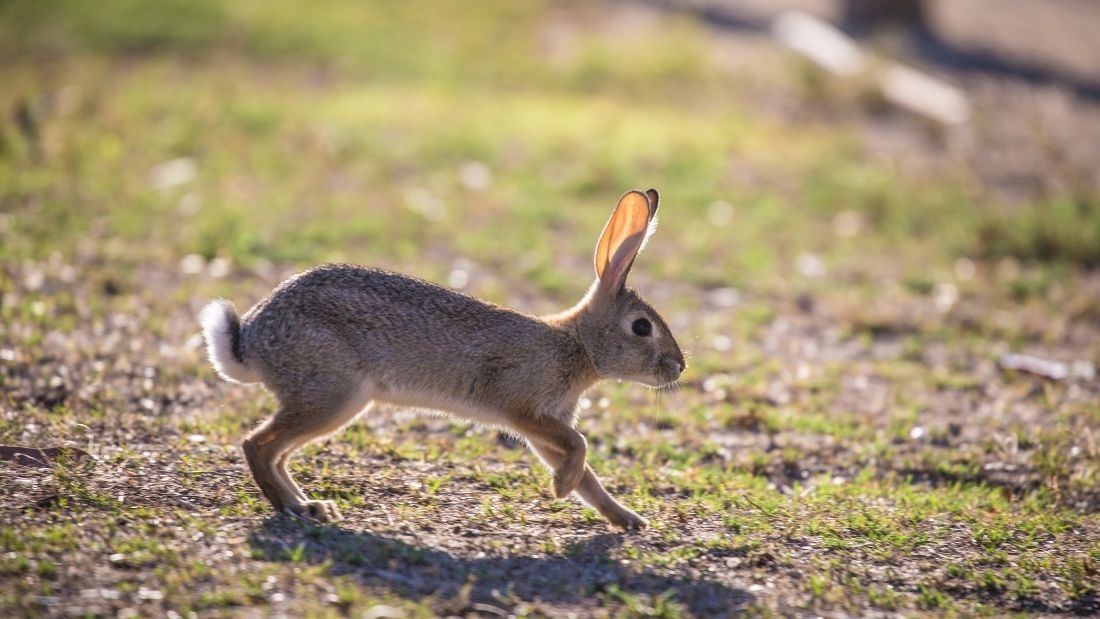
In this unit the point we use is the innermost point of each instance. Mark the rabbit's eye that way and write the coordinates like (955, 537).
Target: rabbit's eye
(641, 327)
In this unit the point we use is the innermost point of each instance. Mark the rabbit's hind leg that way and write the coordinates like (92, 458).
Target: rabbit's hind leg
(262, 449)
(324, 511)
(270, 447)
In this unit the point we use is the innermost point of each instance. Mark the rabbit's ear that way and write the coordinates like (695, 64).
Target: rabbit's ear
(623, 237)
(654, 199)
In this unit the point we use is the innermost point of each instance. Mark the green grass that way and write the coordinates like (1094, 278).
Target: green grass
(843, 441)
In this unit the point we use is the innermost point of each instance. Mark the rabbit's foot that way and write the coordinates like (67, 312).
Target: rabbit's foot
(626, 518)
(567, 478)
(317, 511)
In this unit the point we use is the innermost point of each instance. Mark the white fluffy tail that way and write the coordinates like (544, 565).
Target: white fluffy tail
(222, 329)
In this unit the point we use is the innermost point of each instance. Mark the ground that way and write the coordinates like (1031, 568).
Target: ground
(846, 439)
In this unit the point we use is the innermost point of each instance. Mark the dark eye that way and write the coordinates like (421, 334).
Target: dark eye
(641, 327)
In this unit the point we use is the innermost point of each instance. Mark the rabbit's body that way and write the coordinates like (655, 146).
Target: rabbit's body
(331, 341)
(409, 342)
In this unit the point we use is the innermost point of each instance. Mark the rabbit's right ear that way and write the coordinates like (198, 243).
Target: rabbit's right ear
(622, 239)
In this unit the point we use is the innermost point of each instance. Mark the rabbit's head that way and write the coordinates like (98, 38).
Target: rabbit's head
(624, 336)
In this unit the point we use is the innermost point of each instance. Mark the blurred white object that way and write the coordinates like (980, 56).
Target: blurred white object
(192, 264)
(923, 94)
(1034, 365)
(475, 175)
(218, 267)
(810, 265)
(724, 297)
(1054, 370)
(832, 50)
(820, 42)
(945, 295)
(965, 269)
(458, 279)
(173, 173)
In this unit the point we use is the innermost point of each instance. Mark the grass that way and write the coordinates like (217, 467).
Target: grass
(843, 441)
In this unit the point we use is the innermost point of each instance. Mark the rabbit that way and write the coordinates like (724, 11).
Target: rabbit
(333, 340)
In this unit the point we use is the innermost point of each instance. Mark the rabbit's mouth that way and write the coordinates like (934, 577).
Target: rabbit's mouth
(662, 383)
(665, 375)
(653, 381)
(670, 387)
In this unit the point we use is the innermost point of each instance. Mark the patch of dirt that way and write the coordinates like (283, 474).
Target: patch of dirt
(136, 398)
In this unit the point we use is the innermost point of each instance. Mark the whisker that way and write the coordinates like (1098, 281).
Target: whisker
(668, 395)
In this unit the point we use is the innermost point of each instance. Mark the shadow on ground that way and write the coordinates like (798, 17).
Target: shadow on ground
(418, 572)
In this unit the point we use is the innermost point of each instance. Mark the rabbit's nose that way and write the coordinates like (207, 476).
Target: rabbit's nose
(672, 363)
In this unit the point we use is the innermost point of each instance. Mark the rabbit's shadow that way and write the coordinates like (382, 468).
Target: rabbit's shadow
(416, 572)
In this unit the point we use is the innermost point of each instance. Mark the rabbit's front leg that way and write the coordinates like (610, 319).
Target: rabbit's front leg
(568, 446)
(593, 493)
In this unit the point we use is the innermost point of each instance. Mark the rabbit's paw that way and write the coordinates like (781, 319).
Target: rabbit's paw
(627, 519)
(317, 511)
(566, 479)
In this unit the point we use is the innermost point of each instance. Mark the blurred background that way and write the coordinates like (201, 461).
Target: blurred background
(280, 133)
(870, 210)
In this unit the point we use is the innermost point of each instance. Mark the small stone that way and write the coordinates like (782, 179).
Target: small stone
(458, 279)
(964, 269)
(945, 295)
(382, 611)
(192, 264)
(173, 173)
(475, 175)
(810, 265)
(724, 297)
(218, 268)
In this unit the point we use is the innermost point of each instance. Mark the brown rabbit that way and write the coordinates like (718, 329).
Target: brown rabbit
(332, 340)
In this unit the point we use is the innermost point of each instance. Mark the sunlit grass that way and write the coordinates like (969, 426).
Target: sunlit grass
(187, 150)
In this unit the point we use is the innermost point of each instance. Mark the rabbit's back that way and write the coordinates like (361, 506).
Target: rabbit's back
(411, 339)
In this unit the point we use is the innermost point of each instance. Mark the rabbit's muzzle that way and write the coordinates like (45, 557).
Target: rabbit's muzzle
(670, 368)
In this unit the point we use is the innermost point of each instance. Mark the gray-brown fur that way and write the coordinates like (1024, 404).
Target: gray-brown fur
(332, 340)
(403, 334)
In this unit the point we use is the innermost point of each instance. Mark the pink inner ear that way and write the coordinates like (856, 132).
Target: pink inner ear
(625, 230)
(624, 256)
(615, 276)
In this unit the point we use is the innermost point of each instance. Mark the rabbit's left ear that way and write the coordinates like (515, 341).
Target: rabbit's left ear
(634, 219)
